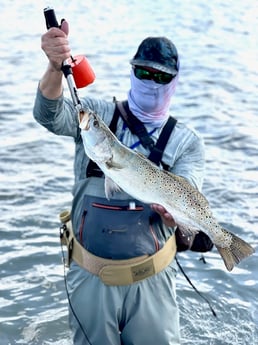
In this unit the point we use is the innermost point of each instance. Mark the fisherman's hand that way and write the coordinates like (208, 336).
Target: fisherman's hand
(56, 46)
(166, 217)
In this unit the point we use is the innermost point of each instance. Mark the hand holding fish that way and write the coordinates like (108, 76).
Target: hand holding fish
(166, 217)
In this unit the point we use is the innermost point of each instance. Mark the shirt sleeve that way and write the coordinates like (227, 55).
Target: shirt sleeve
(190, 163)
(185, 155)
(60, 117)
(57, 115)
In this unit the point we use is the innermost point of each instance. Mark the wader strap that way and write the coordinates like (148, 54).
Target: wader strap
(115, 272)
(135, 125)
(156, 154)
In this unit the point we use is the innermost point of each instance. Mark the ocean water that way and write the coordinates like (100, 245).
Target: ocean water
(216, 94)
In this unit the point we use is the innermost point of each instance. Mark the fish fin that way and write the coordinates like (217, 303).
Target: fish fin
(141, 155)
(110, 187)
(187, 231)
(236, 252)
(185, 237)
(110, 164)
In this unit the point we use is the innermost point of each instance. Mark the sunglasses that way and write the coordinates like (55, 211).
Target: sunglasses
(158, 77)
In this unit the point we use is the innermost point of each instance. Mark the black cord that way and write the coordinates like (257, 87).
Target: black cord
(195, 289)
(69, 300)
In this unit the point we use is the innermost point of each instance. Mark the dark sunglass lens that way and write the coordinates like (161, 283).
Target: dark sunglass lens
(141, 73)
(163, 78)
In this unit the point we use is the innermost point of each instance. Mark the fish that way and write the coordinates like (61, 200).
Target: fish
(130, 171)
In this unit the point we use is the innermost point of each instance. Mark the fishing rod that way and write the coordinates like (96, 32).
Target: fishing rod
(76, 70)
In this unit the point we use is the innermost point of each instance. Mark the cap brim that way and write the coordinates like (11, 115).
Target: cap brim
(155, 65)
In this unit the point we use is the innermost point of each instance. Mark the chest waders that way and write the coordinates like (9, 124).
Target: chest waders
(123, 272)
(121, 241)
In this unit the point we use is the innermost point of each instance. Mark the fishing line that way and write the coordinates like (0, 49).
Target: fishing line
(195, 289)
(69, 300)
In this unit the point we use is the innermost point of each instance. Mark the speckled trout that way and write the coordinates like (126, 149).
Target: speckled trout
(133, 173)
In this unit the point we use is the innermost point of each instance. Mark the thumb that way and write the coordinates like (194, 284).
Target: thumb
(64, 26)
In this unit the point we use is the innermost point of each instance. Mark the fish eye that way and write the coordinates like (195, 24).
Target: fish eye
(96, 123)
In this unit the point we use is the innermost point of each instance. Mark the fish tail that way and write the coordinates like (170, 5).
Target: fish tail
(236, 252)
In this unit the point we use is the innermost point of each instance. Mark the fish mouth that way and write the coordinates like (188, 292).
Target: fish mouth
(84, 118)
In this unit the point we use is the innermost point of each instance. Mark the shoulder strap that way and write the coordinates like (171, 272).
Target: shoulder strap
(135, 125)
(156, 154)
(113, 123)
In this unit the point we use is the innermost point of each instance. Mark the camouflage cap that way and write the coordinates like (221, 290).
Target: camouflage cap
(159, 53)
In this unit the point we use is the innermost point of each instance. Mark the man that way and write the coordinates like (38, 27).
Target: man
(114, 308)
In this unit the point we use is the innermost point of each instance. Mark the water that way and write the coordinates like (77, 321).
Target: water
(217, 94)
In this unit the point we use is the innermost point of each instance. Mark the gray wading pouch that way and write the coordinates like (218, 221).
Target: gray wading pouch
(119, 229)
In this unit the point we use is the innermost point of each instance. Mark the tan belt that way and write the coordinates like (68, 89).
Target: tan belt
(115, 272)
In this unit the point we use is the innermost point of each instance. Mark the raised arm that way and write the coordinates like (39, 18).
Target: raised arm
(55, 45)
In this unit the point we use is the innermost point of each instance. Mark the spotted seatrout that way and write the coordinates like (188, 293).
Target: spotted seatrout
(143, 180)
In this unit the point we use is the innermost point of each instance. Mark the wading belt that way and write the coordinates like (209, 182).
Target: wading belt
(115, 272)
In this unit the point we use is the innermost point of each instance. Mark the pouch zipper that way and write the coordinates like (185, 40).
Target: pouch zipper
(117, 208)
